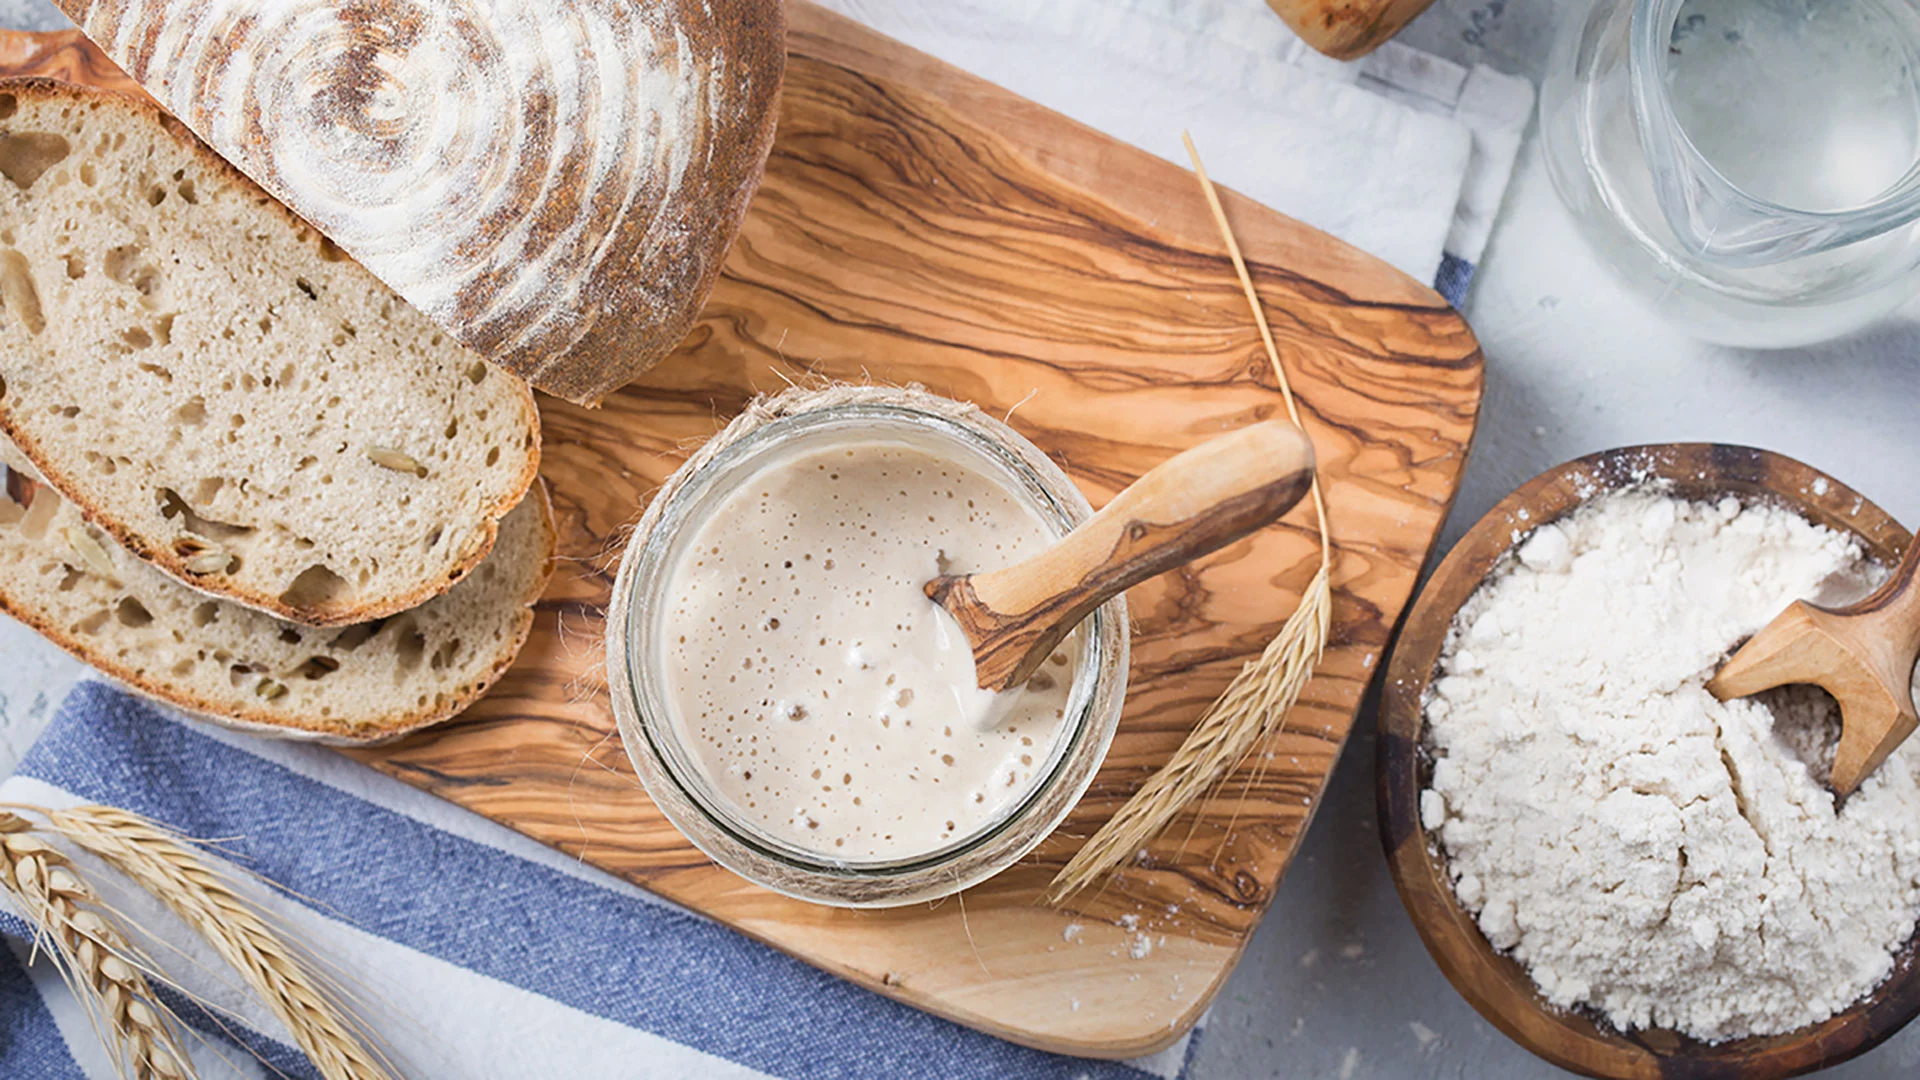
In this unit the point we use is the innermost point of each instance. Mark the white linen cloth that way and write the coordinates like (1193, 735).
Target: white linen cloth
(1401, 153)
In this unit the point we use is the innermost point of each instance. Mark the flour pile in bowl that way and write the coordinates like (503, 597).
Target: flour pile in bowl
(1644, 850)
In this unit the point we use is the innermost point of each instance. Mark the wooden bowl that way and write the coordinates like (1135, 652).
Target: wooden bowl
(1497, 986)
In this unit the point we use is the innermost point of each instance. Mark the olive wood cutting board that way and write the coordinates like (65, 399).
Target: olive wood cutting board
(920, 225)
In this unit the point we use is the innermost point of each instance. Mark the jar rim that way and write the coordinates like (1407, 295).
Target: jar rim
(680, 785)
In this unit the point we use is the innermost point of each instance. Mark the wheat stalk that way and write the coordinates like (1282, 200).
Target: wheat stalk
(159, 861)
(1255, 705)
(93, 955)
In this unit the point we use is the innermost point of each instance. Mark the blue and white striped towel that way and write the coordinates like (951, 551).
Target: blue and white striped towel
(475, 952)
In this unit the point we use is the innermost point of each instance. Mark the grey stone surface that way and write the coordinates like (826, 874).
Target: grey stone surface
(1336, 979)
(1336, 984)
(32, 15)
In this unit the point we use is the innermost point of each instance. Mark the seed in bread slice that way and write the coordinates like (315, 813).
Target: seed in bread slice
(248, 670)
(223, 391)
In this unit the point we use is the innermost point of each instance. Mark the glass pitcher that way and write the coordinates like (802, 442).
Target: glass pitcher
(1750, 168)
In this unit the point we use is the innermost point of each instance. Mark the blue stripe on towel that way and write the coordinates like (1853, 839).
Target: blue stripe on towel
(281, 1060)
(30, 1042)
(635, 963)
(1453, 277)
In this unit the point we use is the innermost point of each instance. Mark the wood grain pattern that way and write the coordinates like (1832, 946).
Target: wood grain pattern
(554, 182)
(1347, 29)
(918, 224)
(65, 55)
(1191, 504)
(1498, 987)
(1863, 654)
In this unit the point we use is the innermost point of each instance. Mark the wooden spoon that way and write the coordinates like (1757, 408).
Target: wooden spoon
(1863, 654)
(1194, 502)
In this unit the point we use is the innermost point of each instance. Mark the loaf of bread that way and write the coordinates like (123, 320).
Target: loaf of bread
(223, 391)
(556, 182)
(248, 670)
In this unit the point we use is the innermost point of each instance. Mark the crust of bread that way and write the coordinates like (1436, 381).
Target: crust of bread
(575, 275)
(255, 721)
(162, 556)
(165, 559)
(617, 350)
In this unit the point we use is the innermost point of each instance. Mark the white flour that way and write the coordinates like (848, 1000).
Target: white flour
(1644, 850)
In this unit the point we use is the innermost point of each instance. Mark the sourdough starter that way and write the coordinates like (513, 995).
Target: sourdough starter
(824, 695)
(1644, 850)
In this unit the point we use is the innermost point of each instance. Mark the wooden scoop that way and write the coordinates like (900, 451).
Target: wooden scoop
(1194, 502)
(1862, 654)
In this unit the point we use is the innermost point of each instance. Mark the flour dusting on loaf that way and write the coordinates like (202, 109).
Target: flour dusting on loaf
(555, 182)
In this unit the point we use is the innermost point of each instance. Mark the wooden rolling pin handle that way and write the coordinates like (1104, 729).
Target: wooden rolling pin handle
(1193, 503)
(1347, 29)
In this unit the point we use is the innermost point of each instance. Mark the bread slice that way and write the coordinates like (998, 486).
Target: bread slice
(222, 390)
(247, 670)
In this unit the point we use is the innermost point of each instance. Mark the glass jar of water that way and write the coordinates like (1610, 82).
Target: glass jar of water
(1750, 168)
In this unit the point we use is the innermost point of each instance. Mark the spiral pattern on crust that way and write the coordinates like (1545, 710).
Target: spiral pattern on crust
(517, 169)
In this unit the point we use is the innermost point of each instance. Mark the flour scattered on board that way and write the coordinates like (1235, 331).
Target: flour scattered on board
(1349, 1063)
(1139, 946)
(1071, 935)
(1424, 1035)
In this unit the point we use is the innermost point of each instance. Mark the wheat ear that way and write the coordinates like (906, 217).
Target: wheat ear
(162, 863)
(1255, 705)
(93, 955)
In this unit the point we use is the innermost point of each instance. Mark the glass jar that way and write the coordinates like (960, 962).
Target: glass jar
(1747, 167)
(655, 739)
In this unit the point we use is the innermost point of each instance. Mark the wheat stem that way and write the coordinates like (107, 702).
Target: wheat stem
(1255, 705)
(159, 861)
(93, 954)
